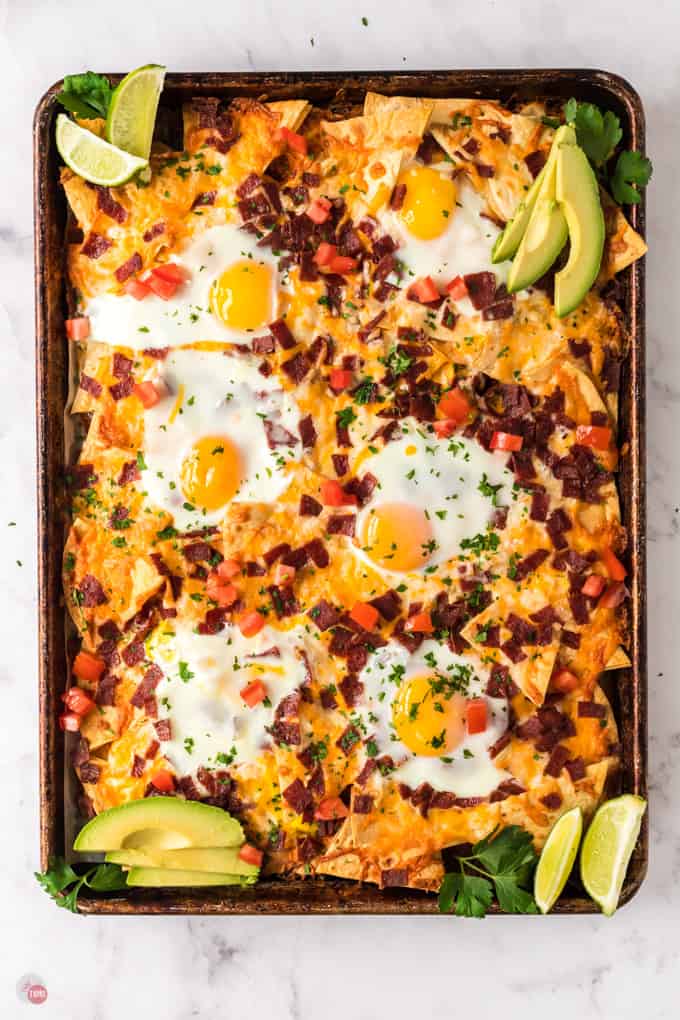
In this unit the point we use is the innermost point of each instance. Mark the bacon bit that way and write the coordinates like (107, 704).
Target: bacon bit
(456, 289)
(294, 141)
(364, 615)
(253, 693)
(155, 231)
(163, 781)
(78, 329)
(318, 212)
(594, 435)
(69, 721)
(340, 379)
(564, 681)
(593, 586)
(283, 573)
(251, 855)
(424, 290)
(77, 700)
(505, 441)
(251, 623)
(329, 809)
(475, 715)
(420, 623)
(95, 245)
(131, 266)
(613, 565)
(88, 667)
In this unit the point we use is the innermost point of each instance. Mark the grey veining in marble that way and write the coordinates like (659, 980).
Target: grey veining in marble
(332, 968)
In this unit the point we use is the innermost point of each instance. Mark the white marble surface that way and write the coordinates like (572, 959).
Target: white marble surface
(285, 969)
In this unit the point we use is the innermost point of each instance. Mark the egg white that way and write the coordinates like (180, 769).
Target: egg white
(467, 771)
(442, 478)
(186, 317)
(223, 395)
(199, 694)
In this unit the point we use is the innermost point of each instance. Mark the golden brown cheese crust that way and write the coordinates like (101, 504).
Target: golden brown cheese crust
(125, 566)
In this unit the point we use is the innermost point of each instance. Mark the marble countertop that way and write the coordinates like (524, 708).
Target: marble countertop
(177, 968)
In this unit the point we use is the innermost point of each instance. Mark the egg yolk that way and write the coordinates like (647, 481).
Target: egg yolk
(427, 718)
(397, 536)
(211, 472)
(241, 297)
(429, 203)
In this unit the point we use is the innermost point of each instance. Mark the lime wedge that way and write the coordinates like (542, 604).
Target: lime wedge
(132, 113)
(557, 858)
(91, 157)
(607, 847)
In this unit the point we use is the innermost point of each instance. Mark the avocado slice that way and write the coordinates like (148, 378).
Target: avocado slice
(544, 238)
(578, 193)
(157, 877)
(224, 860)
(509, 240)
(160, 823)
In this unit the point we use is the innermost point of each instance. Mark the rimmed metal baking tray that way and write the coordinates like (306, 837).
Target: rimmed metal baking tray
(627, 688)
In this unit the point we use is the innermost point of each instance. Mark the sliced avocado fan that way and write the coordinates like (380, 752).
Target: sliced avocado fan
(578, 193)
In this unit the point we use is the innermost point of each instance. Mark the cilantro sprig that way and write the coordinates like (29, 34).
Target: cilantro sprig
(86, 95)
(598, 134)
(503, 862)
(63, 884)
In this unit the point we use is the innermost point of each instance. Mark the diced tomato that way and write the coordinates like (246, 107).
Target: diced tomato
(171, 272)
(445, 428)
(254, 693)
(251, 623)
(228, 569)
(342, 264)
(613, 596)
(77, 700)
(78, 329)
(457, 288)
(475, 715)
(593, 586)
(318, 211)
(333, 494)
(283, 573)
(251, 855)
(564, 681)
(454, 405)
(224, 594)
(363, 614)
(420, 623)
(148, 393)
(613, 565)
(69, 721)
(325, 254)
(506, 441)
(136, 288)
(163, 781)
(424, 290)
(597, 436)
(162, 288)
(294, 141)
(329, 809)
(341, 379)
(88, 667)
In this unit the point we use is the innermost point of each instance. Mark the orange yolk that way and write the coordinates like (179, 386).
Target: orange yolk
(211, 472)
(396, 536)
(241, 297)
(429, 203)
(428, 722)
